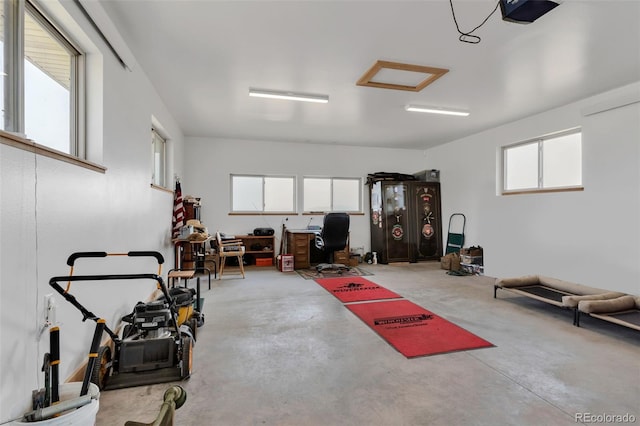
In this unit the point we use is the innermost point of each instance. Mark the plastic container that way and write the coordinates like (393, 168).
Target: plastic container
(83, 416)
(267, 261)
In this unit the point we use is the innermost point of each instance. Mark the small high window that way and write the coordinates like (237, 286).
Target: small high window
(549, 163)
(159, 150)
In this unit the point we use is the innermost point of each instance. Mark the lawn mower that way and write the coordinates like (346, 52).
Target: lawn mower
(157, 338)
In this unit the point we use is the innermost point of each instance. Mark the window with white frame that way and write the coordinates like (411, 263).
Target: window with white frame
(263, 194)
(326, 194)
(159, 152)
(551, 162)
(43, 73)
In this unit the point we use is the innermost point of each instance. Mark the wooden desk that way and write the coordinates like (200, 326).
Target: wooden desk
(299, 243)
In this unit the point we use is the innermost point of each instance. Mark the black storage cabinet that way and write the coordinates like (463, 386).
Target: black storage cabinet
(405, 219)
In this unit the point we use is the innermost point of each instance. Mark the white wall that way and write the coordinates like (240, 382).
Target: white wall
(50, 209)
(589, 237)
(209, 162)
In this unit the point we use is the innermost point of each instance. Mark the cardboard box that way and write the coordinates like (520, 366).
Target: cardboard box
(428, 175)
(470, 260)
(472, 251)
(285, 263)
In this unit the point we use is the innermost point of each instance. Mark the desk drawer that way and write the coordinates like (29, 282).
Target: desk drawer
(301, 248)
(298, 245)
(301, 241)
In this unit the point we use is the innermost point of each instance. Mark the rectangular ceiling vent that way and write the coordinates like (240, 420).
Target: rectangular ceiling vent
(399, 76)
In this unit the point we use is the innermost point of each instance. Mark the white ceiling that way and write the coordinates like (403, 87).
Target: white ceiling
(202, 57)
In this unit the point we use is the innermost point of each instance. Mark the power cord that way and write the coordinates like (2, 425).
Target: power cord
(469, 37)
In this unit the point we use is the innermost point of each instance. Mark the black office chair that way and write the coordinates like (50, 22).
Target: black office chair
(334, 236)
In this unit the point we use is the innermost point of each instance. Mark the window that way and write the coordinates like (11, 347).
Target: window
(549, 163)
(332, 194)
(159, 150)
(263, 194)
(43, 73)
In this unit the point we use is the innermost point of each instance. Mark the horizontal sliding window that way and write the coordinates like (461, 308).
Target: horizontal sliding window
(548, 163)
(43, 77)
(332, 194)
(263, 194)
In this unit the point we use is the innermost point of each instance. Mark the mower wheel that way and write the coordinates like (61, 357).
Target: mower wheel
(102, 367)
(187, 356)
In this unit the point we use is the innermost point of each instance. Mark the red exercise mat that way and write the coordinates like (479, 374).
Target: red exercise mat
(356, 289)
(413, 330)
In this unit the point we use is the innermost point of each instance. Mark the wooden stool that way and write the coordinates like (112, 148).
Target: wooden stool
(180, 274)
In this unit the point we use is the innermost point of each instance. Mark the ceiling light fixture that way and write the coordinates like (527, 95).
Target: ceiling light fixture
(436, 110)
(291, 96)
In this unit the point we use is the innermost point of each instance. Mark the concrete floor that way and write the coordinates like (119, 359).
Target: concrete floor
(276, 349)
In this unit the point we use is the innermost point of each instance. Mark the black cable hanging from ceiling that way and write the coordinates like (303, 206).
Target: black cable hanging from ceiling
(469, 37)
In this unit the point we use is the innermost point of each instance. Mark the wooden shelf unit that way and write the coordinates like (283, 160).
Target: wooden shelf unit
(259, 247)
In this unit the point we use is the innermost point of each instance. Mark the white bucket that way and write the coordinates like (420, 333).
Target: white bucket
(83, 416)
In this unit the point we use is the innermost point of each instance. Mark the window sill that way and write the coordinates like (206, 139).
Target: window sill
(263, 213)
(161, 188)
(30, 146)
(544, 191)
(324, 213)
(287, 213)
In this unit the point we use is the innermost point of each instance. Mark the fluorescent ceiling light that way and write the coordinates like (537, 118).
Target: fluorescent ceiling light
(291, 96)
(436, 110)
